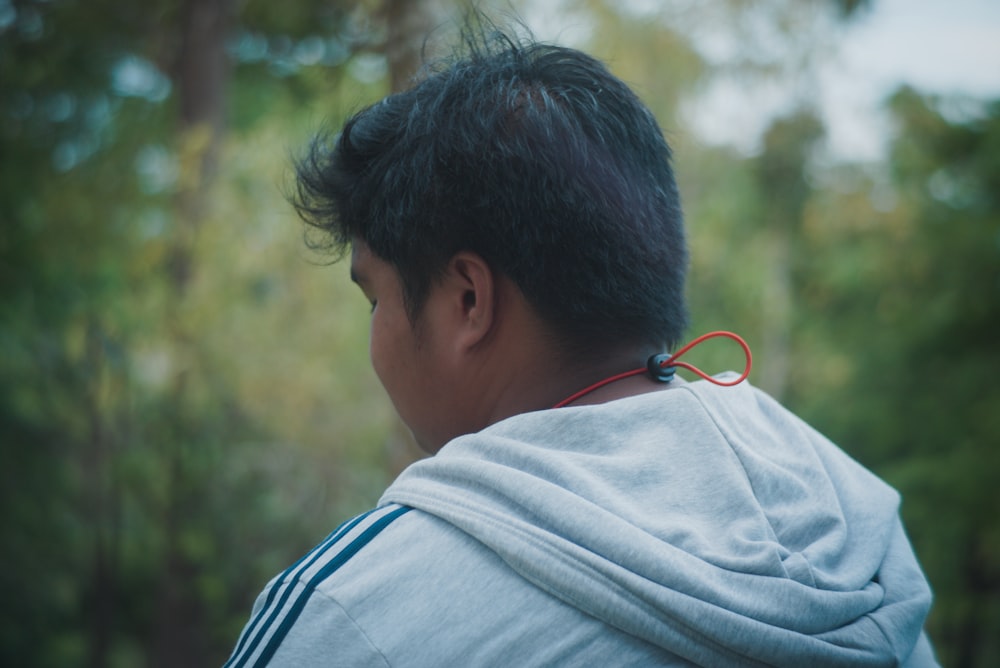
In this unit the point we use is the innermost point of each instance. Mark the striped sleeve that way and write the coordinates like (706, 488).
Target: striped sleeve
(277, 612)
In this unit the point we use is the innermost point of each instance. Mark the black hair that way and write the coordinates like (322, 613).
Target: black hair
(531, 155)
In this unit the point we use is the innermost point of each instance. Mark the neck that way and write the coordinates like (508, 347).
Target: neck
(625, 376)
(532, 378)
(522, 367)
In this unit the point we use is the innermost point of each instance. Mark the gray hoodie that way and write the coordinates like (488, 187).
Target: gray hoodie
(695, 526)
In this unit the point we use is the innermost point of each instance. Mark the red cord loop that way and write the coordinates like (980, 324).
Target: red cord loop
(672, 360)
(667, 363)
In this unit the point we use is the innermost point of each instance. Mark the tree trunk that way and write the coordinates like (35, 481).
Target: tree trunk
(103, 504)
(200, 80)
(777, 315)
(408, 27)
(781, 170)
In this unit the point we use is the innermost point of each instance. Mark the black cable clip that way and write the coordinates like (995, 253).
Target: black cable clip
(658, 368)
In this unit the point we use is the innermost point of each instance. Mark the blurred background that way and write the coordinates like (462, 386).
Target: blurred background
(186, 404)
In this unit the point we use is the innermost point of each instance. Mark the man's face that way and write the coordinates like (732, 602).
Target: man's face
(407, 357)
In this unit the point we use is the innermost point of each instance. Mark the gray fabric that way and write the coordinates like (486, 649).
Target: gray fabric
(699, 525)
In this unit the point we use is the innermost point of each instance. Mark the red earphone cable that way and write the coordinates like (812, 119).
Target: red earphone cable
(672, 361)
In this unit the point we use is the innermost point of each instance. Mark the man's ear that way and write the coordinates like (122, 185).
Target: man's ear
(472, 289)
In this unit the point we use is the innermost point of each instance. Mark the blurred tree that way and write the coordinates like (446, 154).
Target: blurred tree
(409, 29)
(132, 483)
(200, 76)
(896, 331)
(941, 304)
(781, 170)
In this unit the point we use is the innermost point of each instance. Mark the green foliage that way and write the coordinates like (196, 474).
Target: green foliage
(923, 409)
(167, 447)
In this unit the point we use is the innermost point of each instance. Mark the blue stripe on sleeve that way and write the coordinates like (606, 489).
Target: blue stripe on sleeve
(335, 558)
(287, 577)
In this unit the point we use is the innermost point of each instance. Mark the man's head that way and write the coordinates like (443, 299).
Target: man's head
(535, 158)
(511, 215)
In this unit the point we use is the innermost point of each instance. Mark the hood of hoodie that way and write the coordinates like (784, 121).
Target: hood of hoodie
(709, 521)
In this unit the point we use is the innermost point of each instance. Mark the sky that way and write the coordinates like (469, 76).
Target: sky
(937, 46)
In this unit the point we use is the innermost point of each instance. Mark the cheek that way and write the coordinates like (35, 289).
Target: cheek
(404, 373)
(391, 358)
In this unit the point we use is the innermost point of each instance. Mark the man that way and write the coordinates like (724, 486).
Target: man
(515, 223)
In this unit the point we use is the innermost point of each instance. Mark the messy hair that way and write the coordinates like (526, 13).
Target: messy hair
(531, 155)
